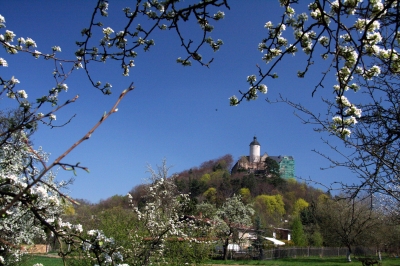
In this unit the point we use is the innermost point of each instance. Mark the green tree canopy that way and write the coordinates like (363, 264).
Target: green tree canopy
(271, 208)
(299, 205)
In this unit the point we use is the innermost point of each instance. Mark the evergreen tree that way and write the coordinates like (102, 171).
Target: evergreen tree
(258, 243)
(273, 173)
(298, 235)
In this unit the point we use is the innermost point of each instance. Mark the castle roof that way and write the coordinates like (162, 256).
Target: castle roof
(255, 142)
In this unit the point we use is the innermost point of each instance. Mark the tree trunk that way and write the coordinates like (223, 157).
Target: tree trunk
(261, 253)
(226, 248)
(348, 256)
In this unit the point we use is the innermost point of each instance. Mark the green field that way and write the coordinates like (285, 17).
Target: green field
(337, 261)
(46, 261)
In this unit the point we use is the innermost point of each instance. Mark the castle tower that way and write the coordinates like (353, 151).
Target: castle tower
(254, 151)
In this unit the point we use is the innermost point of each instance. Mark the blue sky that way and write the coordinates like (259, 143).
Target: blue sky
(178, 113)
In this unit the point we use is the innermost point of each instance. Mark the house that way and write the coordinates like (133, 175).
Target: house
(281, 233)
(246, 236)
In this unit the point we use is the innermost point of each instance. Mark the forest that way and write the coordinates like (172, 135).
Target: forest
(314, 217)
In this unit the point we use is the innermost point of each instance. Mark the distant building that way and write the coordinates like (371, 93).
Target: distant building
(255, 163)
(286, 165)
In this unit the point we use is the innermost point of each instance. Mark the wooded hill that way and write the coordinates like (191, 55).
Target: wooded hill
(275, 199)
(315, 218)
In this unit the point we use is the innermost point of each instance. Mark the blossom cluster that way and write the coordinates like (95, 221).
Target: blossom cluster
(233, 213)
(39, 214)
(360, 44)
(23, 222)
(388, 202)
(104, 249)
(14, 45)
(123, 44)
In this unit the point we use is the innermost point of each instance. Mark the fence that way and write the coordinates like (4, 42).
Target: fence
(293, 252)
(278, 253)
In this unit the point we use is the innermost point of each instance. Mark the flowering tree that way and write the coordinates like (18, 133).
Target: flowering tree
(230, 217)
(389, 204)
(31, 202)
(163, 223)
(356, 42)
(375, 141)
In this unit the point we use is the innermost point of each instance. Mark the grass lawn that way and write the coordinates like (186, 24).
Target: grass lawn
(316, 261)
(46, 261)
(336, 261)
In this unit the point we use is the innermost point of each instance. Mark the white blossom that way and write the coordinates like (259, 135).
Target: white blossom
(108, 31)
(268, 25)
(219, 15)
(251, 78)
(337, 119)
(9, 36)
(3, 62)
(343, 101)
(350, 121)
(22, 94)
(62, 86)
(11, 95)
(345, 132)
(263, 88)
(36, 54)
(316, 14)
(372, 72)
(21, 40)
(323, 40)
(354, 111)
(290, 11)
(30, 43)
(56, 48)
(233, 100)
(302, 17)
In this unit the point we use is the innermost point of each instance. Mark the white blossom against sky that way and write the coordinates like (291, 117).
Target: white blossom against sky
(175, 112)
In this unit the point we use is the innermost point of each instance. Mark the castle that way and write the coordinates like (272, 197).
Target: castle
(254, 163)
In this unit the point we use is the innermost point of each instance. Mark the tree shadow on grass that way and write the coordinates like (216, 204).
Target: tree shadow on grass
(322, 260)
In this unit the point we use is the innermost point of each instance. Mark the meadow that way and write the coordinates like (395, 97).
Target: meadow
(316, 261)
(45, 260)
(336, 261)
